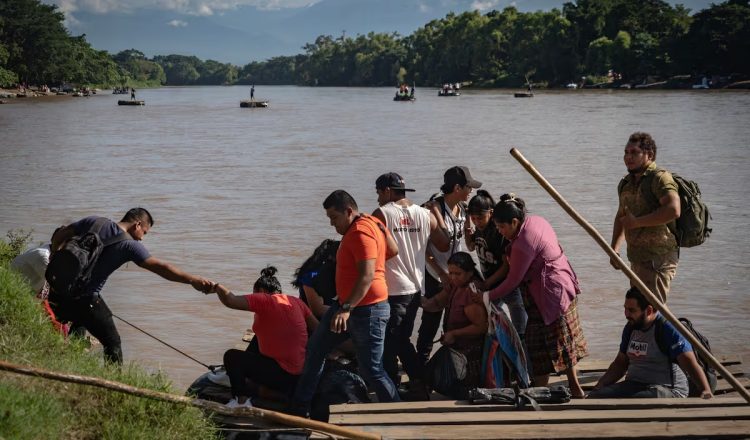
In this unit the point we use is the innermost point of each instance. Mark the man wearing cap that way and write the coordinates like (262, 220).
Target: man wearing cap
(411, 226)
(450, 212)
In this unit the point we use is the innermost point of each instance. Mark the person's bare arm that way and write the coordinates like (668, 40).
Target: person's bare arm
(477, 316)
(312, 323)
(172, 273)
(365, 275)
(689, 364)
(438, 237)
(616, 370)
(229, 299)
(315, 301)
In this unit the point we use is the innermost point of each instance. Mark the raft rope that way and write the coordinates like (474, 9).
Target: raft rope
(210, 367)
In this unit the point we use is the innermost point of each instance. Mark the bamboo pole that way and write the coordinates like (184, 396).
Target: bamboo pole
(257, 413)
(658, 305)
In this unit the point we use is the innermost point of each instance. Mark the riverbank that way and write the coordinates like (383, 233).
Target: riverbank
(43, 409)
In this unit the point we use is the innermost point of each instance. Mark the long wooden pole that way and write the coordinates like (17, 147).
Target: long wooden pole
(257, 413)
(658, 305)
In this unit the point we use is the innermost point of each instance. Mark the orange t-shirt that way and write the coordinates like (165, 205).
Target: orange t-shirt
(281, 328)
(363, 241)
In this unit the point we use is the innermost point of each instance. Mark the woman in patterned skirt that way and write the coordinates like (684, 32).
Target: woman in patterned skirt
(554, 337)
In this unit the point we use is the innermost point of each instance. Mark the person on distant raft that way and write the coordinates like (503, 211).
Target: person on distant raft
(252, 93)
(132, 94)
(275, 357)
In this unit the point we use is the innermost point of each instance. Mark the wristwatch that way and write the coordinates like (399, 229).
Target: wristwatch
(346, 307)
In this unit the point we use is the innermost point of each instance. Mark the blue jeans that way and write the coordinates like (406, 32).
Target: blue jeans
(366, 327)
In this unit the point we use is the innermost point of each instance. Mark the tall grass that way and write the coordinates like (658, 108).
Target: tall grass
(35, 408)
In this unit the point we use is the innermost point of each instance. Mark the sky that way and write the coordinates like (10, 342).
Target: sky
(240, 31)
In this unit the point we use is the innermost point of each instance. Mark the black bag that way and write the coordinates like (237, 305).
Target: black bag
(520, 397)
(69, 270)
(694, 390)
(446, 370)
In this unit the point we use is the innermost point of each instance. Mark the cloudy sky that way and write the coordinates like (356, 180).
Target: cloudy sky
(240, 31)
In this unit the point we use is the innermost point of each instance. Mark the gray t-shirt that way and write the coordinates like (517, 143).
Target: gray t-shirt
(647, 362)
(112, 256)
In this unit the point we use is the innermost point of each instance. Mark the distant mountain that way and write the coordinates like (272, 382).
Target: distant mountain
(251, 34)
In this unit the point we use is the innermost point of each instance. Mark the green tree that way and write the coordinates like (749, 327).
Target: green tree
(718, 40)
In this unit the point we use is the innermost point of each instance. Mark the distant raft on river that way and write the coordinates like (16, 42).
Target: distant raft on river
(131, 102)
(252, 103)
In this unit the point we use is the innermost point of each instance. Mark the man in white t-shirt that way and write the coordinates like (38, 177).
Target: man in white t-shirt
(411, 227)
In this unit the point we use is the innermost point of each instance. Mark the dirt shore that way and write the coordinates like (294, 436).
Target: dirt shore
(32, 95)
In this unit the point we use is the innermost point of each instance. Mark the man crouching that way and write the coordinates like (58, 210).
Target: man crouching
(652, 361)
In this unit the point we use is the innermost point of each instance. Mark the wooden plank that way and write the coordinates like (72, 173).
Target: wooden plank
(443, 406)
(596, 370)
(602, 365)
(617, 430)
(574, 415)
(588, 381)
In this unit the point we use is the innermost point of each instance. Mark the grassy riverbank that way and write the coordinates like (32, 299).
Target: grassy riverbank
(44, 409)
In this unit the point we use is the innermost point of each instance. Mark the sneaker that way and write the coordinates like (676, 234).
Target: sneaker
(234, 403)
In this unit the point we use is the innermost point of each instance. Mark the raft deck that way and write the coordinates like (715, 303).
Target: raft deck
(130, 102)
(724, 416)
(253, 104)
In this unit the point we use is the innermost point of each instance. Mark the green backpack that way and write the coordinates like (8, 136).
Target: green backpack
(691, 228)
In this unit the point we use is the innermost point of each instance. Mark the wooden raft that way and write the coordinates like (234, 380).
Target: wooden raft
(724, 416)
(253, 104)
(130, 102)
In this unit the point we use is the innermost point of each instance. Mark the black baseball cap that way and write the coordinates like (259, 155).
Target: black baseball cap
(460, 175)
(392, 181)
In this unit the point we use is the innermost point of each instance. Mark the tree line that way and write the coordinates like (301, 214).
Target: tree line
(630, 39)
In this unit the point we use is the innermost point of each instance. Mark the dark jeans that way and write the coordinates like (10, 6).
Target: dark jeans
(632, 389)
(430, 320)
(366, 327)
(260, 369)
(398, 338)
(93, 315)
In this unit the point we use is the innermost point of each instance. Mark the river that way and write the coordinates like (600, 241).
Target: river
(235, 189)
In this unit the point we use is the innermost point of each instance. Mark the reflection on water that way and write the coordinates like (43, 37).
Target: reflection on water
(233, 189)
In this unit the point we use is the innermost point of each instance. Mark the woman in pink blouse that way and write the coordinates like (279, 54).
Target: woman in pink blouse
(554, 337)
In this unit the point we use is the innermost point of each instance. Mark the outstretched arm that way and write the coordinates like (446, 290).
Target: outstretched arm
(172, 273)
(616, 370)
(229, 299)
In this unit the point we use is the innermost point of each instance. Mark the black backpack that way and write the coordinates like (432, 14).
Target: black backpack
(69, 270)
(691, 228)
(708, 370)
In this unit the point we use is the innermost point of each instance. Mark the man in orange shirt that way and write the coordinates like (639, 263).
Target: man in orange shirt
(362, 311)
